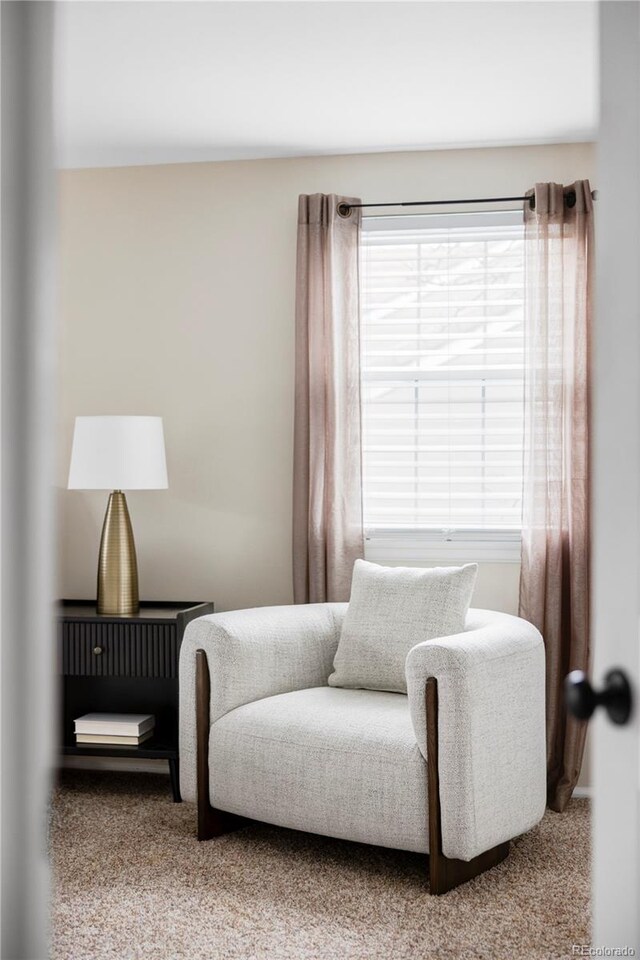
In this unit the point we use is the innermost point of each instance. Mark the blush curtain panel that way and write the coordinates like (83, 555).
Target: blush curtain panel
(327, 487)
(554, 581)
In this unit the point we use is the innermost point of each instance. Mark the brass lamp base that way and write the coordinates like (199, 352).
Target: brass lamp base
(117, 564)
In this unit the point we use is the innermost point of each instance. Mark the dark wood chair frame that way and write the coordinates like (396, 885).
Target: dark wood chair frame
(444, 873)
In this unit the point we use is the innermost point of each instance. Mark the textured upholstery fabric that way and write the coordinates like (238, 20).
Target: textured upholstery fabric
(391, 610)
(253, 654)
(344, 763)
(491, 729)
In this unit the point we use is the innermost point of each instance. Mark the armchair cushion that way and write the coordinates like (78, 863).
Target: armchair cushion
(391, 610)
(343, 763)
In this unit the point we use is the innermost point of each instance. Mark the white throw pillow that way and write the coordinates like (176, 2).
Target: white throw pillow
(391, 610)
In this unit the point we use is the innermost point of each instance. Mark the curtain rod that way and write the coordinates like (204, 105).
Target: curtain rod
(344, 209)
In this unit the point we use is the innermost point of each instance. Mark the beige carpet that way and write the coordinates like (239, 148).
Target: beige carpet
(131, 883)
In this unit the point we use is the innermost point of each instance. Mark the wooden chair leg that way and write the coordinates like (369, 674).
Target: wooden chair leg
(211, 822)
(444, 873)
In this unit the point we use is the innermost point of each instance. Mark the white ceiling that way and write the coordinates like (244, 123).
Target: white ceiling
(165, 82)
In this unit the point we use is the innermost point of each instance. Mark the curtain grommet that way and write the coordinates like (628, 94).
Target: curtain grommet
(344, 210)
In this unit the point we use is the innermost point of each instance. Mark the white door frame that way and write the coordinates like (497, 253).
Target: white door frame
(616, 476)
(26, 514)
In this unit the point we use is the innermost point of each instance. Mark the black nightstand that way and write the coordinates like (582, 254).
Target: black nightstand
(124, 665)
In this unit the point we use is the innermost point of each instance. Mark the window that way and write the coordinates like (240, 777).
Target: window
(442, 344)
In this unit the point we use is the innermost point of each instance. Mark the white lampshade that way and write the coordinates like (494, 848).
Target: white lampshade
(118, 453)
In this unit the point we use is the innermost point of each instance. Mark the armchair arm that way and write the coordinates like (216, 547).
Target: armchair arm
(253, 654)
(491, 729)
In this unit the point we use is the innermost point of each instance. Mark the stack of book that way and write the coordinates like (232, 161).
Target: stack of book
(114, 729)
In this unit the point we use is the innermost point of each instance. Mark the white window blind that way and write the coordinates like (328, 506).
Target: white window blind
(442, 378)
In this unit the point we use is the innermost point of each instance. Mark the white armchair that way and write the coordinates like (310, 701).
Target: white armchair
(454, 769)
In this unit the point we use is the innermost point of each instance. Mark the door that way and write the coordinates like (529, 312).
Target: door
(27, 425)
(616, 478)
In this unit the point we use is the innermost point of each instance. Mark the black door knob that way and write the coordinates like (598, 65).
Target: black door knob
(615, 696)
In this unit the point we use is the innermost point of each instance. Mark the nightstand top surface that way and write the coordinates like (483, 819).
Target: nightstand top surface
(149, 610)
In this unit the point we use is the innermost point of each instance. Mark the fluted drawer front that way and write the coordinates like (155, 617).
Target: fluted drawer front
(119, 649)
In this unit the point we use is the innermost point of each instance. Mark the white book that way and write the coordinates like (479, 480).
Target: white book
(118, 724)
(112, 738)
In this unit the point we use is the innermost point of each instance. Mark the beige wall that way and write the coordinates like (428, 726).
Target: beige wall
(177, 299)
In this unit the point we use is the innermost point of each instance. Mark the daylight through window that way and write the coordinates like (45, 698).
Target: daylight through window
(442, 344)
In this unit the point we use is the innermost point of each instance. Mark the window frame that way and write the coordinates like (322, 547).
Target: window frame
(395, 545)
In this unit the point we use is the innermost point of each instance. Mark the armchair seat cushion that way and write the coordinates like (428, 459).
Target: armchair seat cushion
(339, 762)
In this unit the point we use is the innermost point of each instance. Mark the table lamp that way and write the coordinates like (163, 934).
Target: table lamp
(118, 453)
